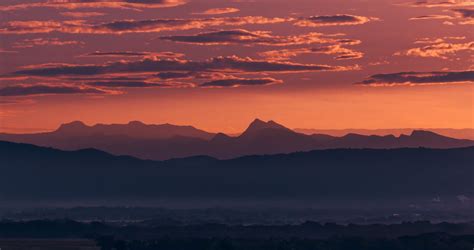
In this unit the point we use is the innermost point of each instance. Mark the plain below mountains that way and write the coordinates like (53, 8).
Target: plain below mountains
(166, 141)
(35, 173)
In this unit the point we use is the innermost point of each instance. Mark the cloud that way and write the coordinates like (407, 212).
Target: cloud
(102, 78)
(334, 20)
(467, 22)
(15, 101)
(438, 48)
(169, 80)
(78, 4)
(440, 3)
(245, 37)
(419, 78)
(138, 84)
(165, 54)
(131, 26)
(163, 73)
(218, 11)
(237, 82)
(232, 64)
(432, 17)
(29, 43)
(82, 14)
(175, 75)
(466, 16)
(427, 40)
(125, 84)
(462, 16)
(2, 51)
(465, 13)
(340, 52)
(45, 89)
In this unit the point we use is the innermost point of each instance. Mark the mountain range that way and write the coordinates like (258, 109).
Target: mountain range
(166, 141)
(459, 133)
(36, 173)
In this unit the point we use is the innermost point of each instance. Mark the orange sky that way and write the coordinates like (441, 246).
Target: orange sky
(363, 107)
(217, 65)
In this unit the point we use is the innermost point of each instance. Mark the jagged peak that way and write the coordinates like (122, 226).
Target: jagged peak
(258, 124)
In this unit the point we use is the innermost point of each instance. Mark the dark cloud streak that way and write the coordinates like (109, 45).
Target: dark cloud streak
(237, 82)
(419, 78)
(218, 64)
(334, 20)
(44, 89)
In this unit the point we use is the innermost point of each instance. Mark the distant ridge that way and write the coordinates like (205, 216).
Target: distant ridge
(167, 141)
(465, 133)
(410, 174)
(134, 129)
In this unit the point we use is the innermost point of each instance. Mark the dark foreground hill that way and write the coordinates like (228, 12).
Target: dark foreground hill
(35, 173)
(161, 142)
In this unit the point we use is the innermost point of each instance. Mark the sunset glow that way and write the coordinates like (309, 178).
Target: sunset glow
(217, 65)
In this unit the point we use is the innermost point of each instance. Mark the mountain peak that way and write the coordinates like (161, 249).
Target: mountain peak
(73, 125)
(422, 133)
(136, 123)
(221, 137)
(258, 124)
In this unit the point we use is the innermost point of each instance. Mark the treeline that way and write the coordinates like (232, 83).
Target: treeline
(433, 241)
(140, 231)
(307, 236)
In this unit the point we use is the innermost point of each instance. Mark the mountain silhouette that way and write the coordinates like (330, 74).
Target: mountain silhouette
(166, 141)
(134, 129)
(463, 133)
(258, 125)
(37, 173)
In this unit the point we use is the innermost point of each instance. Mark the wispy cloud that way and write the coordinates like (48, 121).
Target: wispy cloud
(154, 65)
(419, 78)
(138, 84)
(217, 11)
(245, 37)
(432, 17)
(238, 82)
(439, 3)
(3, 51)
(334, 20)
(465, 13)
(46, 89)
(154, 72)
(131, 26)
(460, 16)
(29, 43)
(82, 14)
(439, 48)
(166, 54)
(340, 52)
(78, 4)
(466, 16)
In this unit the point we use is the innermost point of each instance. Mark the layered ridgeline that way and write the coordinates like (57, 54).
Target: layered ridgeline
(159, 142)
(412, 175)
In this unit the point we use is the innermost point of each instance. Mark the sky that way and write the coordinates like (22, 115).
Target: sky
(219, 64)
